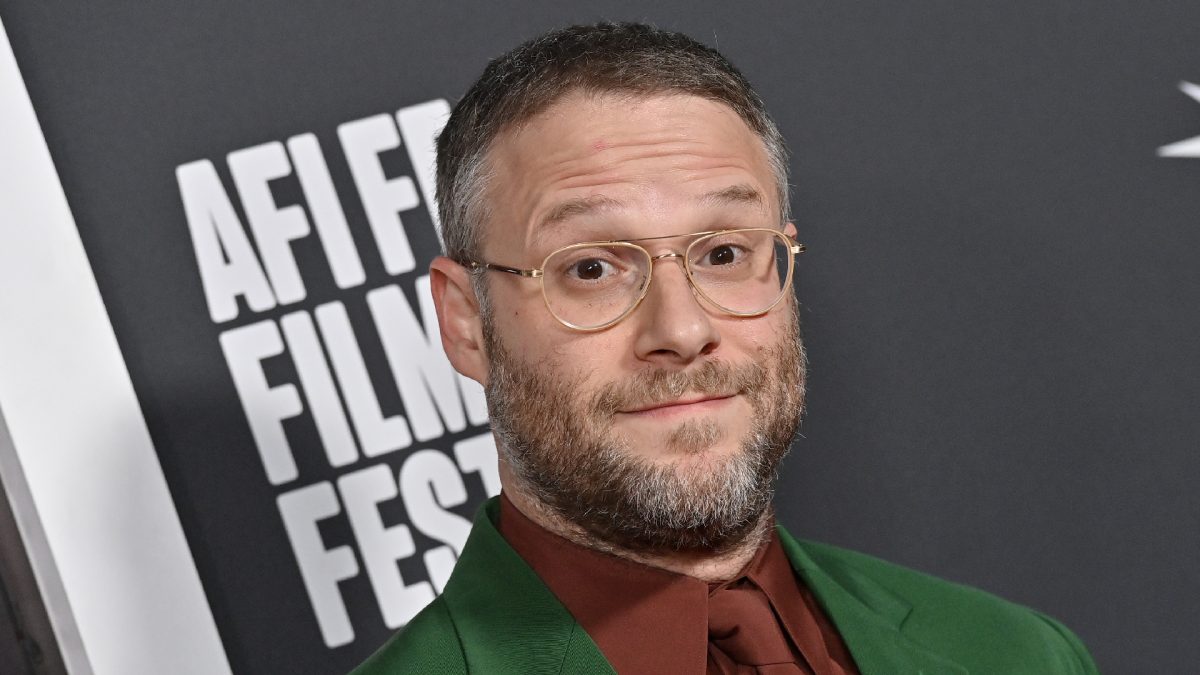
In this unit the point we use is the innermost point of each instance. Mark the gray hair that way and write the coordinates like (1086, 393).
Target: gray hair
(627, 58)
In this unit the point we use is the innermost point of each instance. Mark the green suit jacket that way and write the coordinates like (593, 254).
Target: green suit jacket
(497, 617)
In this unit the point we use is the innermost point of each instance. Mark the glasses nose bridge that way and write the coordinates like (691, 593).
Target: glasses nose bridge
(669, 255)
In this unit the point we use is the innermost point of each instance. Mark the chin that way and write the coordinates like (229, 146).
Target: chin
(699, 461)
(693, 439)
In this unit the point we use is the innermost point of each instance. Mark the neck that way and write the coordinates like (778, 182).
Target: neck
(704, 565)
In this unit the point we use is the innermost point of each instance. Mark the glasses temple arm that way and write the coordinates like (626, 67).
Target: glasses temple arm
(531, 274)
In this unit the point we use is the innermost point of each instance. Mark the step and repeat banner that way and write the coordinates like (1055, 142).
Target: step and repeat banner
(234, 443)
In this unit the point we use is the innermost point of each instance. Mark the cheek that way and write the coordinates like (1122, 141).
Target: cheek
(756, 340)
(536, 339)
(749, 338)
(522, 322)
(589, 361)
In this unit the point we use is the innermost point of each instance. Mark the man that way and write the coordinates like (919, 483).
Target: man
(617, 275)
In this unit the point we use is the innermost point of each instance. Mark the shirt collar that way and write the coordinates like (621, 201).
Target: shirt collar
(642, 618)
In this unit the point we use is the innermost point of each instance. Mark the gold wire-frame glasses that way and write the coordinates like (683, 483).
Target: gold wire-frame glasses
(721, 284)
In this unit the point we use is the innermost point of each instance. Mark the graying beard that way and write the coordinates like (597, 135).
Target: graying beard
(621, 499)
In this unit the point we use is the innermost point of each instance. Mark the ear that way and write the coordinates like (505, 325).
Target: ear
(790, 229)
(458, 318)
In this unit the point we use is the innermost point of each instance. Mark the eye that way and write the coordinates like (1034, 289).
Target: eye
(590, 269)
(593, 267)
(725, 254)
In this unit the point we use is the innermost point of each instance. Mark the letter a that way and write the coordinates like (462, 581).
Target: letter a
(228, 265)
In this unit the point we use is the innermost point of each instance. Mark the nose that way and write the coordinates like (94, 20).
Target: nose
(673, 326)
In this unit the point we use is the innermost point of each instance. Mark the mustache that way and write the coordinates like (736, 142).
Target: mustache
(651, 387)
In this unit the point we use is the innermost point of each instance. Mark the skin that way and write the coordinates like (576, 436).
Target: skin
(605, 166)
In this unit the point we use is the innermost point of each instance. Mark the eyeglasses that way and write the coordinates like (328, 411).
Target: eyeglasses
(593, 285)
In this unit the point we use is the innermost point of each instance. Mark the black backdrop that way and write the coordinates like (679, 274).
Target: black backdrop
(1000, 298)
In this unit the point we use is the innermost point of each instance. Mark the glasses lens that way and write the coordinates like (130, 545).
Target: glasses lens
(742, 271)
(591, 285)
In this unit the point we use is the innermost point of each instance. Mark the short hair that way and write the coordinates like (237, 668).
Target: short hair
(629, 58)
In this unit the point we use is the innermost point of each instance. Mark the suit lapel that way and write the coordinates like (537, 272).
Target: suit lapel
(506, 618)
(869, 618)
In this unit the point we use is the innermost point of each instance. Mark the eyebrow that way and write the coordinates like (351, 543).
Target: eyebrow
(579, 206)
(740, 194)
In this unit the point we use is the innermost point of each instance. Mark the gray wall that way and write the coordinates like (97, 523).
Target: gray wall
(999, 298)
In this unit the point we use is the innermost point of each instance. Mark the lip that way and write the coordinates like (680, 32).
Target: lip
(689, 404)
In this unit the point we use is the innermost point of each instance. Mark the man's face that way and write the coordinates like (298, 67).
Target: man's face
(663, 431)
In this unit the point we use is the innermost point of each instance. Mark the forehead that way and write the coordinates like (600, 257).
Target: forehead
(597, 160)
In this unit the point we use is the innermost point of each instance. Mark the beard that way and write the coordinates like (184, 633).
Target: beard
(558, 439)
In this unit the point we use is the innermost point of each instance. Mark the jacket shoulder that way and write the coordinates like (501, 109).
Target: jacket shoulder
(966, 624)
(429, 644)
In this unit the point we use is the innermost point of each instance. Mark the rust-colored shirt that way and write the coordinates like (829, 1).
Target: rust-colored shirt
(649, 620)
